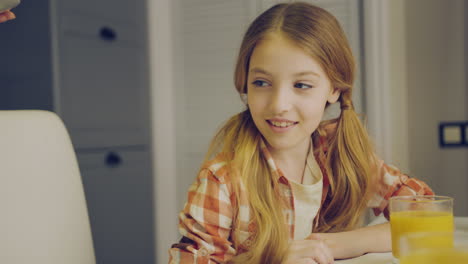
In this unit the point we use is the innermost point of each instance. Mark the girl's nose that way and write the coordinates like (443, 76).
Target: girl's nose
(281, 100)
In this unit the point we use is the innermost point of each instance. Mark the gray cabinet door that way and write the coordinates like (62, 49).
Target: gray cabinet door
(119, 10)
(118, 188)
(103, 82)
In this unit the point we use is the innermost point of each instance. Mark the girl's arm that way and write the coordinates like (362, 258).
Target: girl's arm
(205, 223)
(390, 182)
(357, 242)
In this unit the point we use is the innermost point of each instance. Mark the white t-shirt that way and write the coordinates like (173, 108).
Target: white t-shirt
(307, 198)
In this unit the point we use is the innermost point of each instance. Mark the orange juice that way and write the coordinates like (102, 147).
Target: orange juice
(421, 221)
(437, 256)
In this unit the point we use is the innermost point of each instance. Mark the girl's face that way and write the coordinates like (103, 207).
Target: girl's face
(287, 92)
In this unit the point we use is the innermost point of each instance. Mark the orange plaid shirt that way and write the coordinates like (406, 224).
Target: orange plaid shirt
(206, 222)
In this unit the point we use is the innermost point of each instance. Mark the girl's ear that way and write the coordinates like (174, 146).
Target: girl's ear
(333, 95)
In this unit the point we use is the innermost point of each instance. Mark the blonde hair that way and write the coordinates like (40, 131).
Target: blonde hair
(349, 154)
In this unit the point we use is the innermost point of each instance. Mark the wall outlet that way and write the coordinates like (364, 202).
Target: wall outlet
(453, 134)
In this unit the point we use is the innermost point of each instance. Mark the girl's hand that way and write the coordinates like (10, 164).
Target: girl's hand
(302, 261)
(357, 242)
(339, 244)
(309, 251)
(6, 15)
(343, 245)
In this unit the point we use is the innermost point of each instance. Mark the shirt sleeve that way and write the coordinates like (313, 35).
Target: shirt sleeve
(205, 223)
(391, 182)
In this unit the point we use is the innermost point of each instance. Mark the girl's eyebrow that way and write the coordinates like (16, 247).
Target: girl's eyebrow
(307, 73)
(259, 70)
(262, 71)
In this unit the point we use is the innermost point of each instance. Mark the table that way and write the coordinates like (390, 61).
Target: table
(461, 225)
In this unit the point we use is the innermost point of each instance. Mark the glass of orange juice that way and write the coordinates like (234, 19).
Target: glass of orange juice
(414, 250)
(421, 213)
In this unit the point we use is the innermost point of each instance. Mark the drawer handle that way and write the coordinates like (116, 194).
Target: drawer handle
(108, 34)
(113, 159)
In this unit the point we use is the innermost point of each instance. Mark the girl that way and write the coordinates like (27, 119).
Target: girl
(285, 187)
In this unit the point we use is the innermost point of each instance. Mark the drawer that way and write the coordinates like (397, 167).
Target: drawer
(109, 31)
(131, 11)
(103, 86)
(119, 193)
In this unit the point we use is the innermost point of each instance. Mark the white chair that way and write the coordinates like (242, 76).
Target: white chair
(43, 213)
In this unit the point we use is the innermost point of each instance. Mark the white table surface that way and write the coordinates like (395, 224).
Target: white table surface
(461, 225)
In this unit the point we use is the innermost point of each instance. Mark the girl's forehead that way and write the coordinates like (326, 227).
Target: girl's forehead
(278, 51)
(278, 41)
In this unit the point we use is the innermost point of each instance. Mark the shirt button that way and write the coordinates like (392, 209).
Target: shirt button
(203, 252)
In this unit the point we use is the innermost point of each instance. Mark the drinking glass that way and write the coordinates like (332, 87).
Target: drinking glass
(421, 213)
(415, 250)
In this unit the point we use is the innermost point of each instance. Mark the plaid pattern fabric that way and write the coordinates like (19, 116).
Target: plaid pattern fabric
(206, 222)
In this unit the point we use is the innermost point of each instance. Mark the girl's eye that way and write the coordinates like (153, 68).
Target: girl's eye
(302, 86)
(260, 83)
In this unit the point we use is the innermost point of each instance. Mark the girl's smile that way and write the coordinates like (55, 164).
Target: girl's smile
(279, 125)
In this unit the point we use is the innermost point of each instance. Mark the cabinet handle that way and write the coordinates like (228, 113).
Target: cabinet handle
(113, 160)
(108, 34)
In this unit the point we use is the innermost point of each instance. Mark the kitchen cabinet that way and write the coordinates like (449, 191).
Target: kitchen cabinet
(87, 61)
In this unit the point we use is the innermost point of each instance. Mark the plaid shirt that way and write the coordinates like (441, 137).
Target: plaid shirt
(207, 220)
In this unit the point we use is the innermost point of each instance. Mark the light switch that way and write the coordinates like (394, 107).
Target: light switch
(452, 135)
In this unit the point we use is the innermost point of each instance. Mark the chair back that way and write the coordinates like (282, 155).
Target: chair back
(43, 212)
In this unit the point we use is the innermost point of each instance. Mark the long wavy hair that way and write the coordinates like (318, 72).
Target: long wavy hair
(350, 152)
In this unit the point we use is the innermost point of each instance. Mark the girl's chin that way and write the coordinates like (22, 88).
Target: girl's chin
(286, 143)
(281, 144)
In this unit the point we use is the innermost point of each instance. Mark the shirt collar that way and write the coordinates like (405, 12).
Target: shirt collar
(318, 148)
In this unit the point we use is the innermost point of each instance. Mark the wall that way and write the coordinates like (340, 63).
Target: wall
(436, 91)
(161, 41)
(399, 152)
(419, 61)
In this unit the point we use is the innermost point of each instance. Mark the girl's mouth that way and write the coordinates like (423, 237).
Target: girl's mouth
(281, 124)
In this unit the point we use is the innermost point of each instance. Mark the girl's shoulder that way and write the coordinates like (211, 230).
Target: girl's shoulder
(219, 166)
